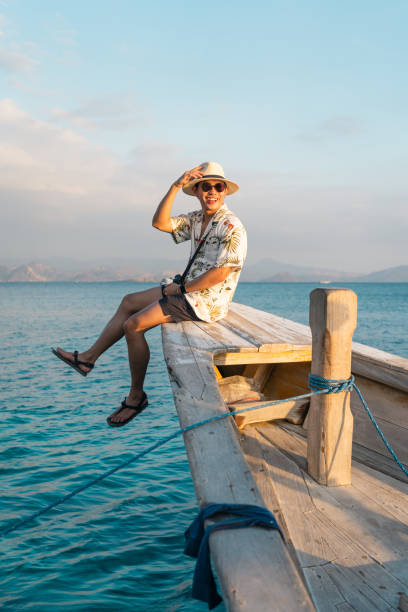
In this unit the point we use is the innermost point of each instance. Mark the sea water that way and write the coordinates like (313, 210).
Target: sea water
(118, 545)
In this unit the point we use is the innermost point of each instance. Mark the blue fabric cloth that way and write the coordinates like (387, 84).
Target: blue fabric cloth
(197, 542)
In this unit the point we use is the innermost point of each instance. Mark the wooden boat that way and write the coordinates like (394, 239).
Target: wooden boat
(344, 520)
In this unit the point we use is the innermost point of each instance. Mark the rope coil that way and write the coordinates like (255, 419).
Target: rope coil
(317, 383)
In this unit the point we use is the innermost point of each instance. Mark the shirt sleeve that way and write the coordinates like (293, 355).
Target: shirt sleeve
(233, 247)
(181, 228)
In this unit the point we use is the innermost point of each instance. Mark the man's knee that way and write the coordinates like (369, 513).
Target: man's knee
(132, 326)
(129, 303)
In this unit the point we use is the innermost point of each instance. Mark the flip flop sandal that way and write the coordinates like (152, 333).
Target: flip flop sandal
(136, 410)
(76, 363)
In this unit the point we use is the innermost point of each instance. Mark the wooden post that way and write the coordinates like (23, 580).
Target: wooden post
(333, 319)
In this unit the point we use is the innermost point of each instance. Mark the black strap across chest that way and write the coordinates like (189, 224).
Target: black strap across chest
(196, 252)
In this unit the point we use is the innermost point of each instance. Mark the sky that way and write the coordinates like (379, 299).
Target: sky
(305, 104)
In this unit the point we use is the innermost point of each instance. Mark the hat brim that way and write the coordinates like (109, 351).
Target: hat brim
(231, 186)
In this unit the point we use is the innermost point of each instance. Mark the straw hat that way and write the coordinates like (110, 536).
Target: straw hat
(211, 170)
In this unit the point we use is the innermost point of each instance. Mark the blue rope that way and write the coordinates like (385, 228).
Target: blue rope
(317, 383)
(148, 450)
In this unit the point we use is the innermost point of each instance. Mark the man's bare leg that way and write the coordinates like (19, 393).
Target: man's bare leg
(139, 354)
(130, 304)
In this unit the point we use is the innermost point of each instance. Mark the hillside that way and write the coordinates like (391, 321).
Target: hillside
(398, 274)
(266, 270)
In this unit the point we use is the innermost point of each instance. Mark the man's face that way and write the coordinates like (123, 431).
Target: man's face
(211, 199)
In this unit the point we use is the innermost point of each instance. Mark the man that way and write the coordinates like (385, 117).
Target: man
(204, 294)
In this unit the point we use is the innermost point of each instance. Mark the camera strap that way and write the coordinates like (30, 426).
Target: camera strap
(198, 249)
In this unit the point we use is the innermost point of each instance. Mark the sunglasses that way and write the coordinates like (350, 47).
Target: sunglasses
(206, 186)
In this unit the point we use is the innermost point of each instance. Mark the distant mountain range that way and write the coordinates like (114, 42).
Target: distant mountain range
(266, 270)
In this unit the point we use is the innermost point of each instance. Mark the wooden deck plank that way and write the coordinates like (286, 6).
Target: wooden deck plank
(378, 462)
(384, 538)
(247, 329)
(265, 335)
(339, 522)
(326, 596)
(197, 337)
(357, 592)
(384, 367)
(185, 334)
(378, 578)
(286, 440)
(250, 562)
(391, 493)
(356, 536)
(292, 411)
(385, 580)
(367, 361)
(366, 435)
(280, 353)
(281, 329)
(295, 502)
(226, 338)
(369, 583)
(384, 402)
(345, 607)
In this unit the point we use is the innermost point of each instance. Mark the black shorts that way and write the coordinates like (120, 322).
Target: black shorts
(178, 307)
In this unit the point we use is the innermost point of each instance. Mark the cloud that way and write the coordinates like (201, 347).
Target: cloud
(43, 157)
(23, 84)
(61, 160)
(62, 195)
(14, 61)
(334, 127)
(116, 113)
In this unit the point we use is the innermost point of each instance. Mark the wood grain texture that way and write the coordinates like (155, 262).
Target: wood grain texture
(367, 361)
(293, 412)
(345, 561)
(380, 463)
(252, 565)
(347, 544)
(333, 318)
(403, 603)
(226, 338)
(281, 353)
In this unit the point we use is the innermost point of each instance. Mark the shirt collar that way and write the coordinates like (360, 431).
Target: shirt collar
(220, 212)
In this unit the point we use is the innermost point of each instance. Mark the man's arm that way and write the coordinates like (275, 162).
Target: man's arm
(161, 218)
(204, 281)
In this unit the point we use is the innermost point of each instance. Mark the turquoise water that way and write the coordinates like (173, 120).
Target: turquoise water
(118, 545)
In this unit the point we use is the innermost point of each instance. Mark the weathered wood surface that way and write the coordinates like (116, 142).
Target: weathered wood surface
(366, 361)
(370, 458)
(333, 319)
(293, 411)
(281, 353)
(340, 571)
(382, 377)
(239, 388)
(352, 541)
(253, 565)
(283, 340)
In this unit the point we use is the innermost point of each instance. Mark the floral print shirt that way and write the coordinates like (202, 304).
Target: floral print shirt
(225, 246)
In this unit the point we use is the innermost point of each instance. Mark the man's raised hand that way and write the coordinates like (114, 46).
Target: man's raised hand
(189, 175)
(161, 218)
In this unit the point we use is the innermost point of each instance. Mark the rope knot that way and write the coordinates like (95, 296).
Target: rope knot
(317, 383)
